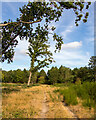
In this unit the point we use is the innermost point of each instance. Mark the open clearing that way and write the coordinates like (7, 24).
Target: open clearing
(40, 102)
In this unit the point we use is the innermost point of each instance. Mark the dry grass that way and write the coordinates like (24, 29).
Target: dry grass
(23, 104)
(82, 112)
(56, 108)
(29, 103)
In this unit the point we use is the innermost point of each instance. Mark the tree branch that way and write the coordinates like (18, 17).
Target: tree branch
(2, 25)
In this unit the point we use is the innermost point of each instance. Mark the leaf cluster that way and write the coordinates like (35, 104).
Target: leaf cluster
(38, 49)
(32, 13)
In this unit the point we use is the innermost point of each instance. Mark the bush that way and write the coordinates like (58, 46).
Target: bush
(78, 81)
(87, 92)
(88, 103)
(41, 79)
(70, 97)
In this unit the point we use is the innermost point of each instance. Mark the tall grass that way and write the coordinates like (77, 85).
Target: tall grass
(85, 91)
(69, 96)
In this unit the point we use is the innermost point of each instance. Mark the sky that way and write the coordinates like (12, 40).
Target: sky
(78, 41)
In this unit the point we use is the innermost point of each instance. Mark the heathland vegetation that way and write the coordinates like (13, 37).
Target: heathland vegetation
(73, 84)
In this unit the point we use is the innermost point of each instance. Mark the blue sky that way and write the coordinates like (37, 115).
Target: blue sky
(78, 41)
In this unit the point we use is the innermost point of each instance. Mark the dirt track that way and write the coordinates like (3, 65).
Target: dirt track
(39, 102)
(49, 105)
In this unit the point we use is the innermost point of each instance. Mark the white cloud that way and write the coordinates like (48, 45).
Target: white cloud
(71, 58)
(72, 45)
(68, 30)
(91, 39)
(21, 49)
(70, 55)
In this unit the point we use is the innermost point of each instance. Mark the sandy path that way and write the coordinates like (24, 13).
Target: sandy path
(38, 102)
(44, 107)
(53, 109)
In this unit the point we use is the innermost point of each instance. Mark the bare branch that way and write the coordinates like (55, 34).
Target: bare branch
(2, 25)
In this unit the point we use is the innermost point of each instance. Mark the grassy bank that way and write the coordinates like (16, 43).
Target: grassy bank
(86, 92)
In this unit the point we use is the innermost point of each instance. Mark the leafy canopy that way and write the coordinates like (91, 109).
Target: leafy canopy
(35, 12)
(39, 50)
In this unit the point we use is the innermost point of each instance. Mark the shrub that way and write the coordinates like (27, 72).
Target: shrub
(78, 81)
(70, 97)
(87, 92)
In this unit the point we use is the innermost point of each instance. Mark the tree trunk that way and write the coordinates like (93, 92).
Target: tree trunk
(29, 78)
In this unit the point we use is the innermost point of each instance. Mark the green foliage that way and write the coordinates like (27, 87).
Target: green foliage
(88, 103)
(34, 78)
(35, 12)
(85, 91)
(69, 96)
(38, 50)
(59, 84)
(52, 75)
(9, 90)
(63, 74)
(15, 76)
(42, 76)
(78, 81)
(92, 62)
(84, 74)
(41, 79)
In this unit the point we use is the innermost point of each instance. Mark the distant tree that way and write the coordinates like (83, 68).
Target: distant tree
(25, 75)
(75, 74)
(92, 62)
(92, 65)
(1, 76)
(83, 74)
(42, 76)
(7, 76)
(78, 81)
(3, 73)
(53, 75)
(61, 74)
(15, 76)
(34, 78)
(39, 51)
(68, 75)
(19, 76)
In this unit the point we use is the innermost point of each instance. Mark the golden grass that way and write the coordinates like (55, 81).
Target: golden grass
(30, 102)
(55, 107)
(82, 112)
(23, 104)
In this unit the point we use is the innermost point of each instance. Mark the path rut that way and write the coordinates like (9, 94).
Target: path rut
(44, 107)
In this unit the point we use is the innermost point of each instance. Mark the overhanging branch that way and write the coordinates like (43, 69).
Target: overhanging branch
(2, 25)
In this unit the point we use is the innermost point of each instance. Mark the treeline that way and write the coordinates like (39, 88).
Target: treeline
(54, 75)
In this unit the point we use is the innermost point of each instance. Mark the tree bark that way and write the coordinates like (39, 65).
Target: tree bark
(29, 78)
